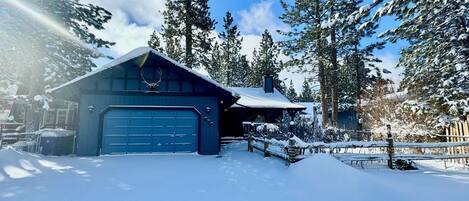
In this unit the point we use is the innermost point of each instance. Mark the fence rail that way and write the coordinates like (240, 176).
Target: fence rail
(294, 150)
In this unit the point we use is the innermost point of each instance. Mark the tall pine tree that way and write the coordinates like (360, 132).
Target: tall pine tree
(231, 56)
(356, 73)
(265, 61)
(188, 21)
(306, 93)
(155, 43)
(306, 43)
(291, 93)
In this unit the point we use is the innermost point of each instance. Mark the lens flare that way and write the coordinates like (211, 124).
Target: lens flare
(45, 20)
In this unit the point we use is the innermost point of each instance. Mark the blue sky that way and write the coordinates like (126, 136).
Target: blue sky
(134, 20)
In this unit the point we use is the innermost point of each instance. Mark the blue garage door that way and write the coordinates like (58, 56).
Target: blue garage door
(146, 131)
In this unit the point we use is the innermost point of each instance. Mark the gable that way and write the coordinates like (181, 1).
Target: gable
(134, 71)
(131, 78)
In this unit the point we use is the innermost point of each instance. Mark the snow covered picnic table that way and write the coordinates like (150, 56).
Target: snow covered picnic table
(236, 175)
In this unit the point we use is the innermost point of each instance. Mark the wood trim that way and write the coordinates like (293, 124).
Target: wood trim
(104, 92)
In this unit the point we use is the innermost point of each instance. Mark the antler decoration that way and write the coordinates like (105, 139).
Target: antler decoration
(153, 85)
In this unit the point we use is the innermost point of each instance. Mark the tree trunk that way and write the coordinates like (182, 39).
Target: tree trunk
(322, 75)
(356, 62)
(188, 33)
(335, 101)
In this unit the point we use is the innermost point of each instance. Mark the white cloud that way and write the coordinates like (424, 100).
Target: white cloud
(127, 36)
(131, 24)
(259, 17)
(142, 12)
(250, 42)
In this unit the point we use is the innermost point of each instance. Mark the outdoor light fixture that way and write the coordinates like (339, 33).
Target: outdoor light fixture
(91, 108)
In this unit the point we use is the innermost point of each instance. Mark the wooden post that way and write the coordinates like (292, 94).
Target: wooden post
(266, 147)
(390, 148)
(460, 139)
(448, 133)
(250, 145)
(292, 149)
(1, 135)
(466, 134)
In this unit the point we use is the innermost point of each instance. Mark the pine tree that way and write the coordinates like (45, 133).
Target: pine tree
(231, 47)
(306, 41)
(291, 93)
(354, 24)
(154, 42)
(171, 32)
(436, 64)
(333, 63)
(188, 21)
(240, 76)
(265, 61)
(215, 68)
(306, 93)
(43, 58)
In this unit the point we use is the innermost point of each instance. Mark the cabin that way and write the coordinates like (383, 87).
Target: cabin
(146, 102)
(257, 104)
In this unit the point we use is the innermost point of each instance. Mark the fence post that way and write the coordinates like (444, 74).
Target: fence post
(250, 146)
(266, 147)
(390, 148)
(292, 149)
(1, 135)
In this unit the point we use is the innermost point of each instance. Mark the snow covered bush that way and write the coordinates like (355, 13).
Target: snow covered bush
(269, 128)
(409, 120)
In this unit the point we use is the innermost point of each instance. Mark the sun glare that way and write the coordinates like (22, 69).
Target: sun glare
(44, 20)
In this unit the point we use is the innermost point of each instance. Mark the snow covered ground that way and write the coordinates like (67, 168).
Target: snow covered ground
(236, 175)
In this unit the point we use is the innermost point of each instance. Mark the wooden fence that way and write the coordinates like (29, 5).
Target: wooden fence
(458, 132)
(294, 150)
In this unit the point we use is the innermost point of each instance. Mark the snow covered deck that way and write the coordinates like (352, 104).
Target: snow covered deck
(237, 175)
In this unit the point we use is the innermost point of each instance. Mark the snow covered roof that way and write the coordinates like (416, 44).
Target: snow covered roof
(310, 107)
(257, 98)
(135, 54)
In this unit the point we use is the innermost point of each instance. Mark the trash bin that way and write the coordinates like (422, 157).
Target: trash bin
(56, 142)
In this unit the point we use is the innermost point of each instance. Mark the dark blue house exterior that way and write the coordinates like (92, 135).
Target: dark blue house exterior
(145, 102)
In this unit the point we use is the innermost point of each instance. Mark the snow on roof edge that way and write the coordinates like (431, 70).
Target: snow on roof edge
(255, 97)
(132, 55)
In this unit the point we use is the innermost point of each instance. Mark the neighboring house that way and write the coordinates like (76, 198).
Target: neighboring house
(347, 116)
(146, 102)
(262, 104)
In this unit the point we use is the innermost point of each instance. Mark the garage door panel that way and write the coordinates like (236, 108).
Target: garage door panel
(140, 139)
(114, 122)
(130, 131)
(116, 131)
(138, 148)
(139, 131)
(140, 121)
(115, 140)
(165, 121)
